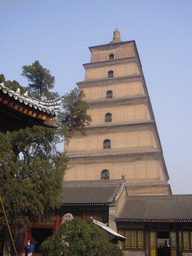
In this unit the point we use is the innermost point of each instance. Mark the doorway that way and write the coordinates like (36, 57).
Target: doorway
(39, 235)
(163, 243)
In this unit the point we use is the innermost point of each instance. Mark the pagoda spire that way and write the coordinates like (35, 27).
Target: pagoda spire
(116, 37)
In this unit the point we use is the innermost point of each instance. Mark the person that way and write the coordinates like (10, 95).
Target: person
(27, 248)
(165, 248)
(30, 247)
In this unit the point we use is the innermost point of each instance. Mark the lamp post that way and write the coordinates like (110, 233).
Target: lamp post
(65, 244)
(8, 227)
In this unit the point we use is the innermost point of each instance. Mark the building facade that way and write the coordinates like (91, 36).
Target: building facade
(117, 172)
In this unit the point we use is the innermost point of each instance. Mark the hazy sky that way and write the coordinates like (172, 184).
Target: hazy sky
(58, 34)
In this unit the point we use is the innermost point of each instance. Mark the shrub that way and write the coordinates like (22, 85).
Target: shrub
(83, 239)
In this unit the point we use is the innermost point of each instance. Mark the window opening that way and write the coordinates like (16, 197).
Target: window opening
(134, 239)
(105, 175)
(187, 240)
(110, 73)
(108, 117)
(107, 144)
(109, 94)
(111, 56)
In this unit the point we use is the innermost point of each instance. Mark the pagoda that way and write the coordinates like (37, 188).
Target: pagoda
(122, 139)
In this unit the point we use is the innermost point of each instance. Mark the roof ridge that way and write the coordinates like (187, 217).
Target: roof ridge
(82, 183)
(118, 191)
(48, 106)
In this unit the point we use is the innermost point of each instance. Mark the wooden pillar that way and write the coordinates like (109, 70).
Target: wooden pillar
(27, 236)
(57, 221)
(84, 215)
(147, 243)
(178, 238)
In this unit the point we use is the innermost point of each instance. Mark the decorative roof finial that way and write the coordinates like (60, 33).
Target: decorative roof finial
(116, 36)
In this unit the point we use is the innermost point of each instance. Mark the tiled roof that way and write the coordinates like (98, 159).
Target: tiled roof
(47, 106)
(20, 111)
(173, 208)
(91, 192)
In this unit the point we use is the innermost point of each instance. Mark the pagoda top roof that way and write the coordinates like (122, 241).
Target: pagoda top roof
(116, 37)
(116, 40)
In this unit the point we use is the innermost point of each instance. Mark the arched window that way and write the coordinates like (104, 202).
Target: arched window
(106, 144)
(110, 73)
(111, 56)
(105, 175)
(108, 117)
(109, 94)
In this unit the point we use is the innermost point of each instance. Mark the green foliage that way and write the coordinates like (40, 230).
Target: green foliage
(31, 167)
(83, 239)
(2, 78)
(14, 86)
(75, 111)
(31, 174)
(40, 80)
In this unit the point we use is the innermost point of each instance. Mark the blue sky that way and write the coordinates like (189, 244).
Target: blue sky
(58, 34)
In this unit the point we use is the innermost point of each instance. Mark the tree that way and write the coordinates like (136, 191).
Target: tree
(83, 239)
(30, 175)
(40, 79)
(2, 78)
(74, 115)
(31, 167)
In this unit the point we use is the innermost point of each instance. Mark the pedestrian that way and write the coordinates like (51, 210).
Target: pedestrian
(29, 248)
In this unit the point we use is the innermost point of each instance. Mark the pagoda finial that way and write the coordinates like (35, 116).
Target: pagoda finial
(116, 36)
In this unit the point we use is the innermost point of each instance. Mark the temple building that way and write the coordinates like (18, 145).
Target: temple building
(117, 173)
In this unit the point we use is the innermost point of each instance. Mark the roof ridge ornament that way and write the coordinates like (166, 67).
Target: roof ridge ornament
(116, 36)
(47, 106)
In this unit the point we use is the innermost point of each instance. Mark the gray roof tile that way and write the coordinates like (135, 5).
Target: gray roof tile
(91, 192)
(157, 208)
(47, 106)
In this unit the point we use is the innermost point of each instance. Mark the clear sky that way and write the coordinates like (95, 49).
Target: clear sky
(58, 34)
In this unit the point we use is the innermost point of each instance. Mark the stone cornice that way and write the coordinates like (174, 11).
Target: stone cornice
(144, 183)
(109, 152)
(111, 62)
(92, 183)
(109, 81)
(116, 125)
(119, 101)
(110, 46)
